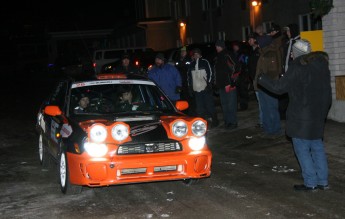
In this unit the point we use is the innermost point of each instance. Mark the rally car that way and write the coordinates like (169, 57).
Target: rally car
(119, 129)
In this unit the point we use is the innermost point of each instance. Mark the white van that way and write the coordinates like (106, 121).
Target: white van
(105, 56)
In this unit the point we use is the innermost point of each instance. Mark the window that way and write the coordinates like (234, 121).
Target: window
(183, 9)
(307, 22)
(266, 26)
(174, 10)
(221, 35)
(205, 5)
(220, 3)
(58, 95)
(246, 30)
(207, 38)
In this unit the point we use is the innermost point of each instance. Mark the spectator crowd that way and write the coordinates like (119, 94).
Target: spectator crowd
(290, 82)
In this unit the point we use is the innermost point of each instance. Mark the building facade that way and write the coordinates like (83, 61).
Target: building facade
(173, 23)
(334, 45)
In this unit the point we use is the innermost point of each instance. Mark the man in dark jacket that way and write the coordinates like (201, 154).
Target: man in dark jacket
(200, 77)
(182, 65)
(307, 83)
(291, 33)
(270, 63)
(126, 66)
(226, 66)
(253, 58)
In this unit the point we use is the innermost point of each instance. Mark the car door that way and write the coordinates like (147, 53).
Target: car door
(54, 123)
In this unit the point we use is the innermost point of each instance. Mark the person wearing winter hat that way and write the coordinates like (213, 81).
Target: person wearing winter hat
(291, 34)
(220, 43)
(126, 66)
(225, 67)
(270, 63)
(200, 79)
(301, 47)
(182, 64)
(307, 82)
(167, 77)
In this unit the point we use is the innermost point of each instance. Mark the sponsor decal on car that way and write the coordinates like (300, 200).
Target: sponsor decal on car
(66, 130)
(91, 83)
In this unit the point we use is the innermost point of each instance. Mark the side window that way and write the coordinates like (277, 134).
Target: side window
(113, 54)
(98, 55)
(58, 96)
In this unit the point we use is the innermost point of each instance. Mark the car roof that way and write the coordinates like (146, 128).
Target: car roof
(110, 76)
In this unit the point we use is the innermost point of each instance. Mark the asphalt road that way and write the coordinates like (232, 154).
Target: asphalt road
(251, 177)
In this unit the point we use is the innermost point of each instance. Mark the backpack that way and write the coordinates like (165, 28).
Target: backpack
(270, 61)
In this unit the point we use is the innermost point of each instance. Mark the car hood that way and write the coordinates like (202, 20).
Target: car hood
(143, 128)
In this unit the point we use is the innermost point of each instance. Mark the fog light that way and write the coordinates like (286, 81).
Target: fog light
(197, 144)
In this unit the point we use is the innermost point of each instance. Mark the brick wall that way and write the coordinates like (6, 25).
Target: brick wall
(333, 25)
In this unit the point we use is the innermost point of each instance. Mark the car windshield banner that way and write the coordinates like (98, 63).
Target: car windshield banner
(102, 82)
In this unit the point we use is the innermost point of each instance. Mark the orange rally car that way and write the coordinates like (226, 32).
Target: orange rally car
(119, 129)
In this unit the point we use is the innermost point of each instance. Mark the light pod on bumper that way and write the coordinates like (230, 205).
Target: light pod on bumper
(199, 128)
(95, 149)
(196, 144)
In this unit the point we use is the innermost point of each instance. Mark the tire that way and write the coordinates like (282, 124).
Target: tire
(65, 185)
(45, 160)
(190, 182)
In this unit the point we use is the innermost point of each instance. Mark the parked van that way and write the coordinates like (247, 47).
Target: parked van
(105, 56)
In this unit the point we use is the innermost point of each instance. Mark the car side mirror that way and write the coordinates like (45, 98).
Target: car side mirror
(181, 105)
(52, 110)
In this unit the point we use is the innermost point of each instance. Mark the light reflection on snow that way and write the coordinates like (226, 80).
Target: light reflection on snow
(282, 169)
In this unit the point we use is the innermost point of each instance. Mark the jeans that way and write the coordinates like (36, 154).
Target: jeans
(260, 110)
(229, 105)
(204, 104)
(312, 159)
(270, 113)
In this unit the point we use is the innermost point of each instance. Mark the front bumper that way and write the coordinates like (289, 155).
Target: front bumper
(125, 169)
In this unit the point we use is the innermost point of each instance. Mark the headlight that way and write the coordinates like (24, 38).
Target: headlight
(95, 150)
(197, 144)
(119, 132)
(98, 133)
(179, 128)
(199, 128)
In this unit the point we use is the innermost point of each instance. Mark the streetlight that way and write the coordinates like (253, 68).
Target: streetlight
(255, 3)
(183, 32)
(254, 12)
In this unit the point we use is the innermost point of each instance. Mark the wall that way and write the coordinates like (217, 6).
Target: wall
(334, 44)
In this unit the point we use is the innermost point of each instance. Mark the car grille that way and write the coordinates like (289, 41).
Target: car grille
(148, 148)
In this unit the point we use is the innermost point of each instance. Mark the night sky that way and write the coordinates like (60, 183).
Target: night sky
(63, 16)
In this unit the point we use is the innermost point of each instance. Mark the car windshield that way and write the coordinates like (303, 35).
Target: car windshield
(116, 96)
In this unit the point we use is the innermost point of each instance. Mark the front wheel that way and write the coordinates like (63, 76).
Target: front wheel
(65, 185)
(45, 160)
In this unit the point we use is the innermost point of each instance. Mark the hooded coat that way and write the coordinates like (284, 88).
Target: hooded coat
(307, 83)
(168, 78)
